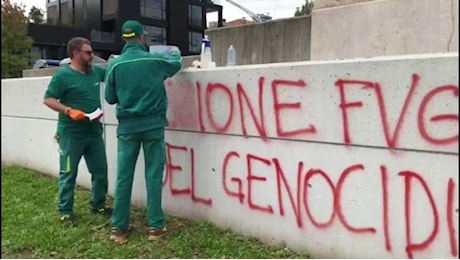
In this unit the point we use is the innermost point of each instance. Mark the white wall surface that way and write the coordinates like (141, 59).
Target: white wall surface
(384, 27)
(331, 3)
(349, 159)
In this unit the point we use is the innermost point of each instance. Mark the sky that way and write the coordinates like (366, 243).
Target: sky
(275, 8)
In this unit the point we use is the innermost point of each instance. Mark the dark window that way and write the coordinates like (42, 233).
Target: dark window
(52, 52)
(195, 16)
(52, 14)
(194, 42)
(155, 35)
(155, 9)
(35, 53)
(85, 11)
(65, 13)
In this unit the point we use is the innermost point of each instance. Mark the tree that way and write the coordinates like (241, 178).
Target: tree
(16, 44)
(305, 9)
(36, 15)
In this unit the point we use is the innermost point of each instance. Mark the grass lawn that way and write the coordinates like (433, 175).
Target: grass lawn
(31, 229)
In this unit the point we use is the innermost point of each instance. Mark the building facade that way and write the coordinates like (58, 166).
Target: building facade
(174, 22)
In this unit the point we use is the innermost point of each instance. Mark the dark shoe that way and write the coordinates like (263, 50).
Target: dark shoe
(105, 211)
(66, 219)
(155, 233)
(120, 236)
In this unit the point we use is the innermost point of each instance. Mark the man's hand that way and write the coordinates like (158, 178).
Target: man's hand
(56, 137)
(76, 115)
(175, 49)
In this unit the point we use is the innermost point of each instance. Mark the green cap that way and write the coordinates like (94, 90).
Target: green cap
(132, 28)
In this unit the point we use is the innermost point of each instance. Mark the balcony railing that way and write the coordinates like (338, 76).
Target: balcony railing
(99, 36)
(52, 21)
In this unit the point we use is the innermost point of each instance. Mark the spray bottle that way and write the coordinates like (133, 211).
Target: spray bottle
(206, 54)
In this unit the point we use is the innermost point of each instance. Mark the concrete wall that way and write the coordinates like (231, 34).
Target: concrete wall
(387, 27)
(348, 159)
(350, 29)
(39, 72)
(332, 3)
(269, 42)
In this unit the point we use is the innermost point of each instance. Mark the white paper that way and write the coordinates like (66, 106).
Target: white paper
(164, 49)
(161, 49)
(96, 114)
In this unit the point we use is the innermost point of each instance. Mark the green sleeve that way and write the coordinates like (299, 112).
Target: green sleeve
(56, 87)
(174, 63)
(171, 63)
(110, 92)
(100, 72)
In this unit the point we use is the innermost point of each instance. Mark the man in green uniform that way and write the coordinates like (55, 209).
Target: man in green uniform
(135, 82)
(74, 91)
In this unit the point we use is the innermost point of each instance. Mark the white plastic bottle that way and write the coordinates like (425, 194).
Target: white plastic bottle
(206, 38)
(206, 54)
(231, 56)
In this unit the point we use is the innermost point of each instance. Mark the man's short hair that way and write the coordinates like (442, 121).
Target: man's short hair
(75, 44)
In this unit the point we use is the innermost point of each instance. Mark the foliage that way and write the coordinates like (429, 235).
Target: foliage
(36, 15)
(15, 42)
(305, 9)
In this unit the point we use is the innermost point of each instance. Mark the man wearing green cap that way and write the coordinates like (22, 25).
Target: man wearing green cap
(135, 82)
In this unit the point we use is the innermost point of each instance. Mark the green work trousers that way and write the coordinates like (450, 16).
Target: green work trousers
(129, 146)
(71, 151)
